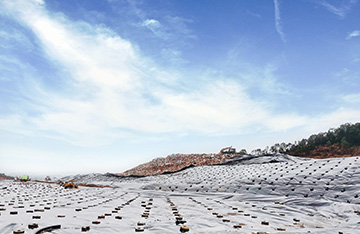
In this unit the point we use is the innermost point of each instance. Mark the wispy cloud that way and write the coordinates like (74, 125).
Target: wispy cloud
(352, 98)
(253, 14)
(348, 77)
(114, 91)
(337, 117)
(155, 26)
(14, 38)
(278, 22)
(355, 33)
(164, 25)
(111, 90)
(152, 23)
(341, 10)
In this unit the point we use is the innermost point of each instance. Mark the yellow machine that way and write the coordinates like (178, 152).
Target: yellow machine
(69, 185)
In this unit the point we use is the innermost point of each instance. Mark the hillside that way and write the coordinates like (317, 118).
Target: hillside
(343, 141)
(177, 162)
(5, 177)
(332, 151)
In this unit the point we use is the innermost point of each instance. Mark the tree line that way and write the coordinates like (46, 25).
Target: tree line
(347, 135)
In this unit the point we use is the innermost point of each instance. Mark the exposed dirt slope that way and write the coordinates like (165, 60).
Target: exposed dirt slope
(177, 162)
(5, 177)
(332, 151)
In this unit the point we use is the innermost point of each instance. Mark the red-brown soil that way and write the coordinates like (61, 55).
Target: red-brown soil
(332, 151)
(177, 162)
(5, 177)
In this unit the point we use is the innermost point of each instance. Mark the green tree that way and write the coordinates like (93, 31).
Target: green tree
(347, 135)
(345, 143)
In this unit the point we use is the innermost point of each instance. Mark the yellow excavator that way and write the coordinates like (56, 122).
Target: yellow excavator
(70, 185)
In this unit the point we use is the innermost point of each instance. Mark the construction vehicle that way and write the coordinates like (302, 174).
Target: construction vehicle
(70, 185)
(25, 178)
(228, 150)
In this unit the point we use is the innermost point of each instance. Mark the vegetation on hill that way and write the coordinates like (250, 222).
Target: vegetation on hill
(337, 142)
(341, 141)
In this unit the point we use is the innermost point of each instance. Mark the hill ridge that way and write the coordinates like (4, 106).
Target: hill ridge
(177, 162)
(343, 141)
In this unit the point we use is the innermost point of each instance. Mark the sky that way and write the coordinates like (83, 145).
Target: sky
(104, 85)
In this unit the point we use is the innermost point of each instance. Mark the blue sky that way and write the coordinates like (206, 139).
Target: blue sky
(101, 86)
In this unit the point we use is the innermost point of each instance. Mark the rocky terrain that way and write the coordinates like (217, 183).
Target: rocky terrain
(247, 194)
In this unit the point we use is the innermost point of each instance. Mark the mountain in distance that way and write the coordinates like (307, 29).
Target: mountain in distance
(343, 141)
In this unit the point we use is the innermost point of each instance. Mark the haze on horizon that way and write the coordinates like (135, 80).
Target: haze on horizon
(104, 85)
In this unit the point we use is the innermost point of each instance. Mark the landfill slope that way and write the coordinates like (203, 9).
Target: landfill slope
(248, 194)
(177, 162)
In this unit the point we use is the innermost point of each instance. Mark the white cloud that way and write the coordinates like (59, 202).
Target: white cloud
(40, 2)
(355, 33)
(179, 25)
(336, 118)
(14, 38)
(278, 22)
(340, 11)
(172, 29)
(155, 27)
(113, 91)
(253, 14)
(352, 98)
(349, 77)
(214, 108)
(14, 123)
(285, 121)
(151, 23)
